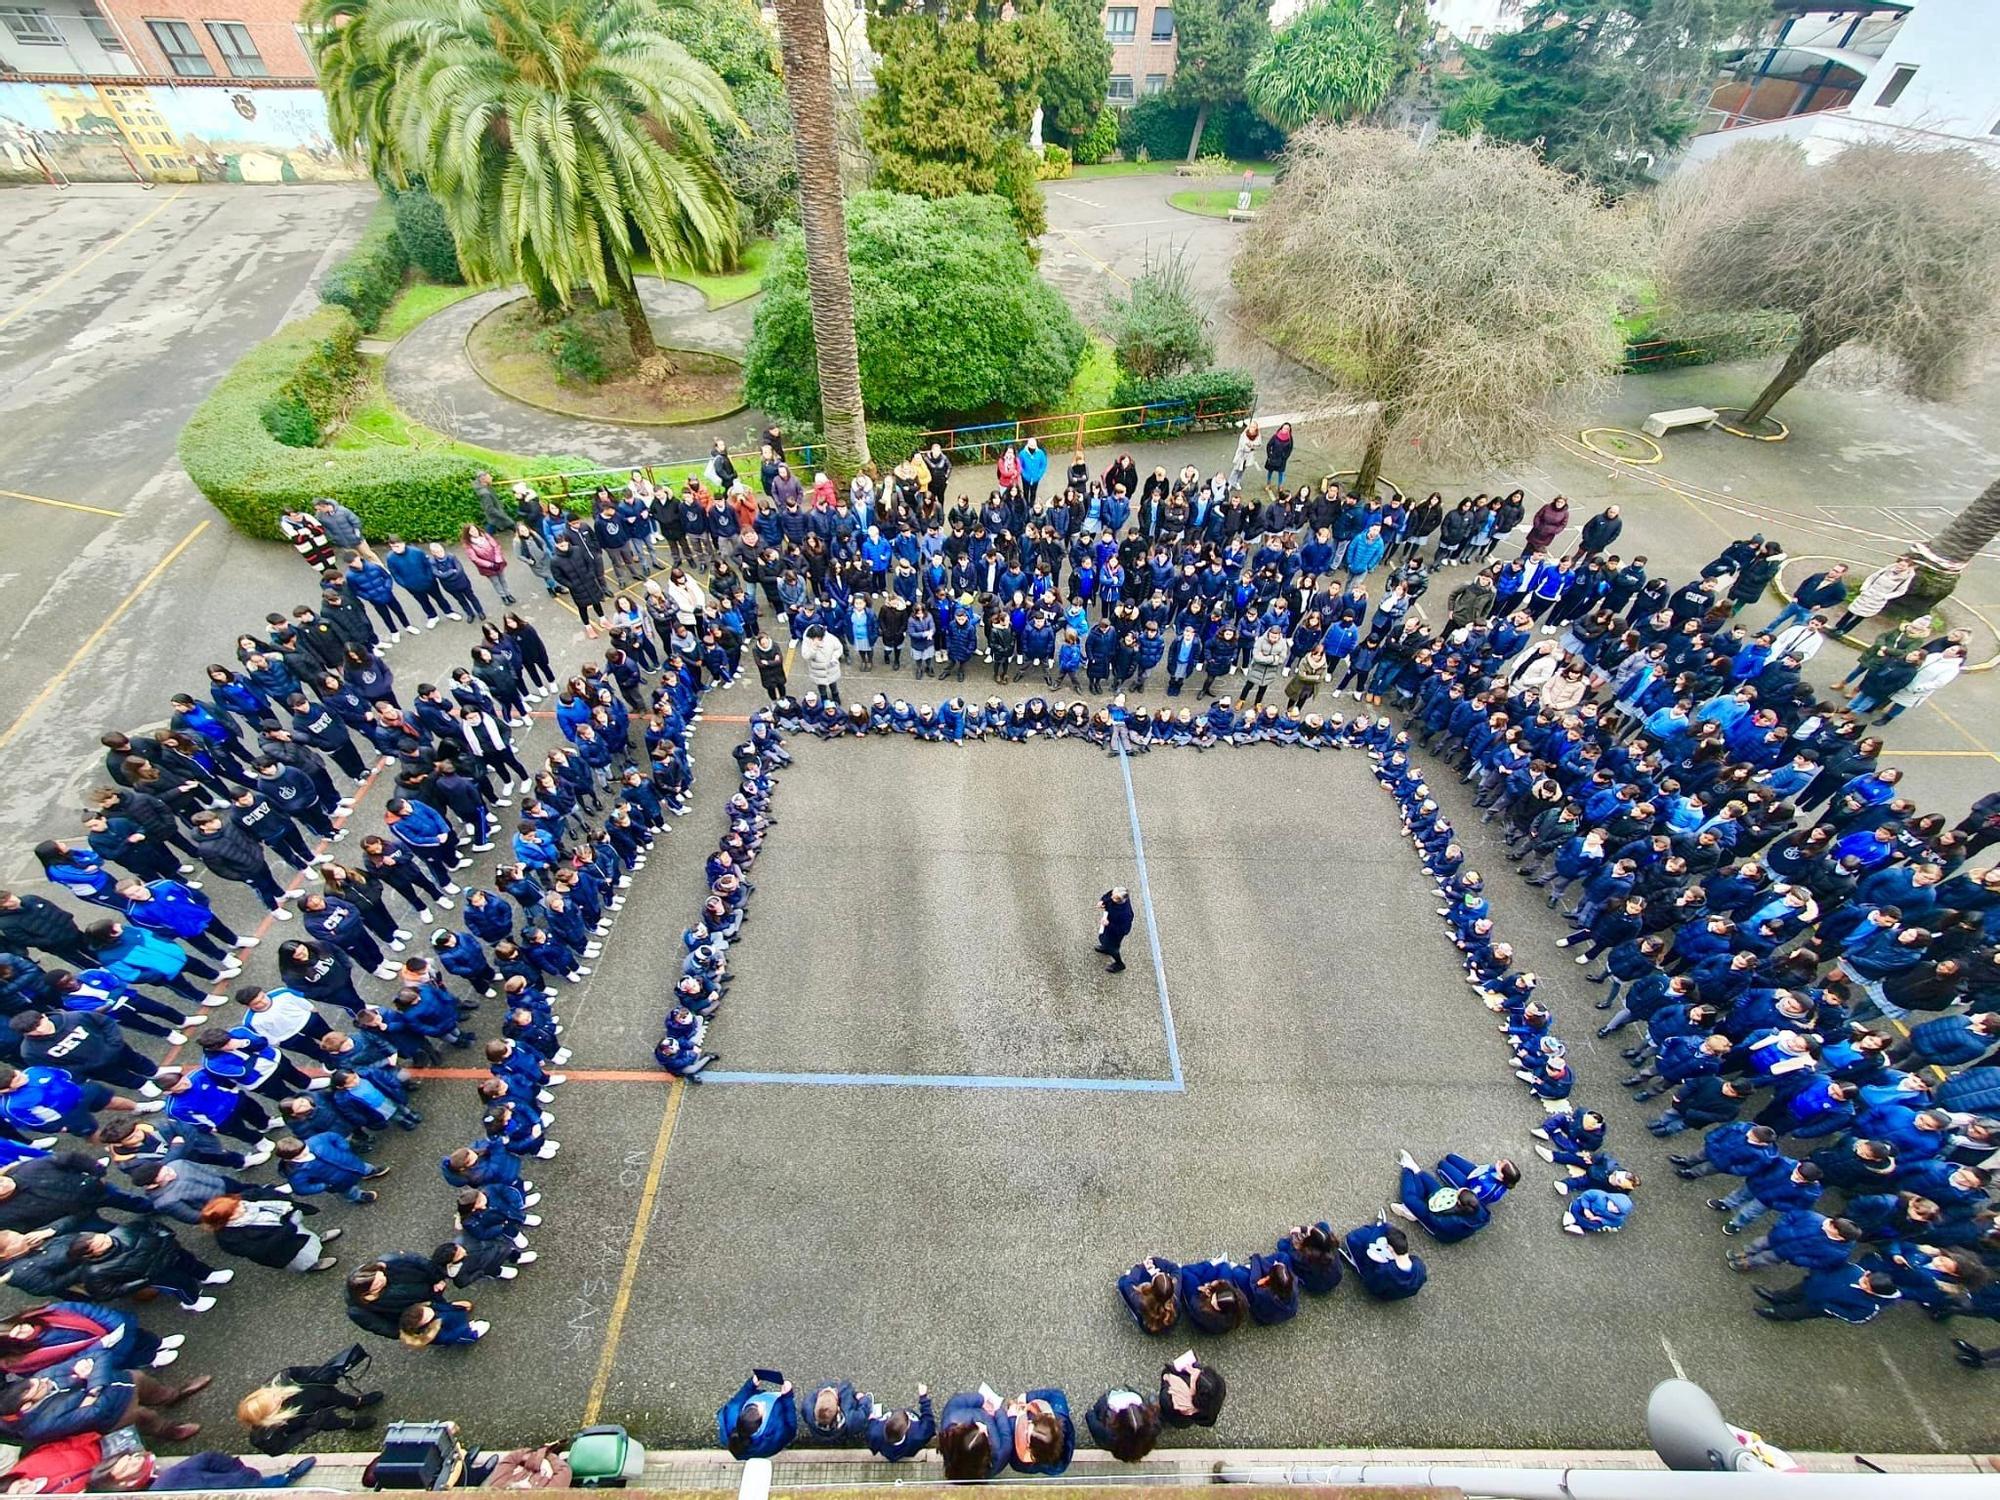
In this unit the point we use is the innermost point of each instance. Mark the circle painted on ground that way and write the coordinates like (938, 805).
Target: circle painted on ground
(1622, 444)
(1779, 436)
(1382, 481)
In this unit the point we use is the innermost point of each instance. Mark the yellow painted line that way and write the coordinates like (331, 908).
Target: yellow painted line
(93, 510)
(635, 1248)
(90, 641)
(127, 232)
(1972, 739)
(1968, 754)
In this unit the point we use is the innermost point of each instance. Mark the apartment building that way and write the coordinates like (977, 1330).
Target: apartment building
(1142, 49)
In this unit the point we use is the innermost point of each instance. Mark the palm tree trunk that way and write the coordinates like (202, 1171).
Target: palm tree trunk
(1810, 349)
(1194, 141)
(1941, 561)
(640, 332)
(809, 91)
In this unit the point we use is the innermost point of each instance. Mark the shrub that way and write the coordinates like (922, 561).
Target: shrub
(365, 280)
(1162, 130)
(1099, 141)
(426, 238)
(1160, 329)
(949, 314)
(1056, 163)
(585, 345)
(1227, 396)
(241, 446)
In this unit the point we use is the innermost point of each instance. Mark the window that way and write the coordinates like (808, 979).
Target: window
(1120, 89)
(239, 52)
(175, 39)
(1893, 90)
(1156, 83)
(31, 28)
(1163, 23)
(1121, 22)
(104, 34)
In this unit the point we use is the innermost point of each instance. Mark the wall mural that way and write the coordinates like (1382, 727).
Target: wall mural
(105, 132)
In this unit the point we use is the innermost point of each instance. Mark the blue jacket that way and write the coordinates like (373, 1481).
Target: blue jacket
(1381, 1278)
(174, 909)
(409, 567)
(372, 582)
(777, 1424)
(970, 1406)
(334, 1167)
(923, 1421)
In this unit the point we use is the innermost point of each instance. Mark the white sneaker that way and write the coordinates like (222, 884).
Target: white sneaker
(315, 1084)
(501, 802)
(282, 915)
(591, 950)
(507, 1273)
(532, 1199)
(526, 1258)
(557, 1080)
(455, 615)
(199, 1305)
(446, 902)
(481, 848)
(398, 947)
(149, 1090)
(249, 942)
(402, 934)
(562, 1055)
(533, 1221)
(431, 623)
(480, 1326)
(258, 1157)
(464, 864)
(395, 636)
(549, 1149)
(218, 1278)
(387, 970)
(173, 1341)
(184, 869)
(150, 1107)
(449, 888)
(424, 916)
(179, 1038)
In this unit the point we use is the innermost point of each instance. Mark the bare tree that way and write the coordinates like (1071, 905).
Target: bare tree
(1458, 290)
(1886, 246)
(802, 42)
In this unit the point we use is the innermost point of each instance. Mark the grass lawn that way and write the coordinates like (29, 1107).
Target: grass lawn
(1147, 168)
(1216, 203)
(416, 302)
(1091, 388)
(722, 287)
(375, 422)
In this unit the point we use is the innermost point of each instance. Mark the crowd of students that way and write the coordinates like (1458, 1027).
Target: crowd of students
(979, 1435)
(275, 754)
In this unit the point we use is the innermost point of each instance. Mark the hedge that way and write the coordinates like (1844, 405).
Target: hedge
(1162, 129)
(365, 280)
(241, 445)
(426, 238)
(1230, 394)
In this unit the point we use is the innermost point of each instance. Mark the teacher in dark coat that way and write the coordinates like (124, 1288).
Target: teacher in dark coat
(1116, 904)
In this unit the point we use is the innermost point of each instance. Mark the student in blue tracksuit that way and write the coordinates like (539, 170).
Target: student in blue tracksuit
(1313, 1252)
(1383, 1262)
(175, 910)
(834, 1415)
(975, 1436)
(896, 1435)
(1044, 1435)
(412, 570)
(1212, 1295)
(1450, 1213)
(326, 1163)
(760, 1420)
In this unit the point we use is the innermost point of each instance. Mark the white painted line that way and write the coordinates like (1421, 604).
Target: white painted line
(1680, 1370)
(1903, 1385)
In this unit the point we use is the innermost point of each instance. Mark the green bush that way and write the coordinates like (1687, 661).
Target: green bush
(426, 238)
(950, 316)
(1056, 163)
(365, 280)
(1163, 129)
(1098, 142)
(585, 345)
(1228, 395)
(1160, 329)
(240, 445)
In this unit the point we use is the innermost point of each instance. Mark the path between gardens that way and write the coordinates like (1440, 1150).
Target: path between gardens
(431, 379)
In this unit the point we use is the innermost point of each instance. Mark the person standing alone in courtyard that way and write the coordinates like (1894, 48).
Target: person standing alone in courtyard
(1116, 904)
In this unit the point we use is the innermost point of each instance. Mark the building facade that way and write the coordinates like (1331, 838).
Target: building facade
(248, 42)
(1918, 75)
(1142, 49)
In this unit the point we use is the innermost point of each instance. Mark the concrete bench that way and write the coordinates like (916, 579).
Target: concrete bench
(1242, 215)
(1660, 423)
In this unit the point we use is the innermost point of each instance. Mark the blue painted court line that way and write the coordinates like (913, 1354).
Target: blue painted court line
(1152, 926)
(952, 1081)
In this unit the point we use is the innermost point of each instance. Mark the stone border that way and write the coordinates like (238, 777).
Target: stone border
(698, 420)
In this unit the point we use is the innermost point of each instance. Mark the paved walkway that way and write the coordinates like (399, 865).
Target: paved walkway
(430, 378)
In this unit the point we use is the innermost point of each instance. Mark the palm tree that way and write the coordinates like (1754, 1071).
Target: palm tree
(563, 138)
(1942, 561)
(809, 90)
